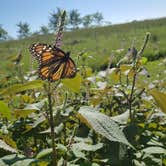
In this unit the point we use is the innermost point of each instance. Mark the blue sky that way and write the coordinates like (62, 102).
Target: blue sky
(37, 12)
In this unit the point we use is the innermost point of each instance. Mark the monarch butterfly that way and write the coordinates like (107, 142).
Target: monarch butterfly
(54, 64)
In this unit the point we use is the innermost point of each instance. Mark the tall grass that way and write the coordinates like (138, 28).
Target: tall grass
(99, 42)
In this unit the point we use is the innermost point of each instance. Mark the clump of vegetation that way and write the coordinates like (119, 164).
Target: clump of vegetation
(110, 117)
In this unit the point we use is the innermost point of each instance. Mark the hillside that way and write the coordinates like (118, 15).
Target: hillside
(99, 43)
(89, 117)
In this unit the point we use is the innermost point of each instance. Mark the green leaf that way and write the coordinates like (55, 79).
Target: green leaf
(102, 124)
(88, 71)
(154, 150)
(6, 147)
(10, 159)
(144, 60)
(160, 99)
(95, 164)
(62, 148)
(23, 113)
(73, 84)
(78, 153)
(9, 141)
(114, 74)
(122, 118)
(24, 162)
(40, 119)
(138, 163)
(44, 153)
(153, 142)
(36, 106)
(87, 147)
(4, 110)
(58, 129)
(22, 87)
(124, 68)
(70, 164)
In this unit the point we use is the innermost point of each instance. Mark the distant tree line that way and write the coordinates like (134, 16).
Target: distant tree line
(3, 33)
(74, 20)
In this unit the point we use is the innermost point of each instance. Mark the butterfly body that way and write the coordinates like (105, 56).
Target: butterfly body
(54, 64)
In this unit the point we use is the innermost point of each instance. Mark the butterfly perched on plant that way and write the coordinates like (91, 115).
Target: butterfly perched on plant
(54, 64)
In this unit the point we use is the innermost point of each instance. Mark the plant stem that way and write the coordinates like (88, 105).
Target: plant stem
(139, 94)
(59, 34)
(58, 42)
(135, 68)
(144, 44)
(51, 121)
(131, 96)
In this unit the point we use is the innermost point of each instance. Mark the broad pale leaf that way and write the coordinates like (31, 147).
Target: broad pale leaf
(124, 68)
(78, 153)
(144, 60)
(122, 118)
(154, 150)
(138, 163)
(44, 153)
(24, 162)
(102, 124)
(62, 148)
(10, 159)
(114, 74)
(87, 147)
(22, 87)
(57, 129)
(4, 110)
(41, 118)
(36, 106)
(160, 99)
(23, 113)
(88, 71)
(73, 84)
(6, 147)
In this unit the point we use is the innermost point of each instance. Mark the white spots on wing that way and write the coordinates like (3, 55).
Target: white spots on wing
(44, 47)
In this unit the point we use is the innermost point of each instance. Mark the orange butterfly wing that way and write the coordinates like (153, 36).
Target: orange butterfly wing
(58, 70)
(37, 49)
(66, 70)
(54, 63)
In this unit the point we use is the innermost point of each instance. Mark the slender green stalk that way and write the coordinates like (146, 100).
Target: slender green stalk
(139, 94)
(135, 68)
(130, 101)
(144, 44)
(20, 73)
(65, 135)
(51, 121)
(49, 90)
(51, 115)
(19, 66)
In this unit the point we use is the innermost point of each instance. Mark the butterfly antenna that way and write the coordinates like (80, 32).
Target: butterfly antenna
(59, 32)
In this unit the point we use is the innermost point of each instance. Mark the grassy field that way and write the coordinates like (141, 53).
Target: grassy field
(99, 43)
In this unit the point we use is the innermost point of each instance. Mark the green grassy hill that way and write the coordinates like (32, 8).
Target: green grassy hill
(99, 43)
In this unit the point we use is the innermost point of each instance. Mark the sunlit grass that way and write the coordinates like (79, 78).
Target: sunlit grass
(157, 69)
(99, 43)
